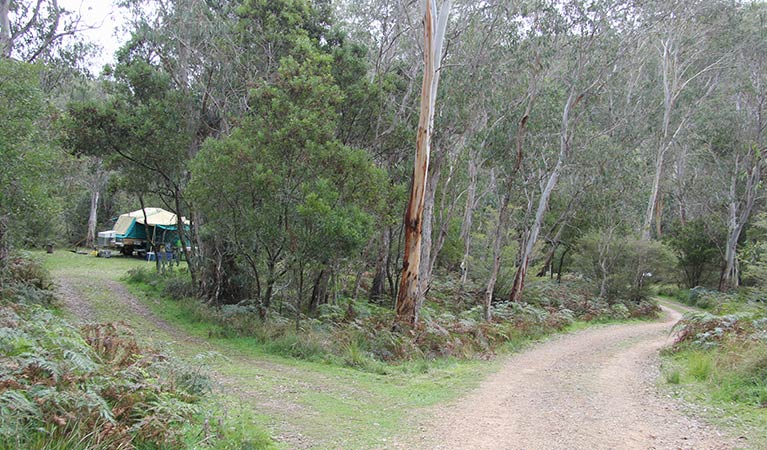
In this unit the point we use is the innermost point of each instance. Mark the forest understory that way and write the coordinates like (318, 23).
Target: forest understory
(358, 210)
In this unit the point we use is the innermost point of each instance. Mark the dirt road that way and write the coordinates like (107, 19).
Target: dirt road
(594, 389)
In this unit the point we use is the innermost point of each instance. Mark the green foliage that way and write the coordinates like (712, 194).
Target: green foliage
(703, 298)
(288, 193)
(700, 365)
(674, 376)
(726, 351)
(136, 130)
(754, 253)
(28, 157)
(359, 334)
(95, 385)
(574, 300)
(621, 266)
(695, 245)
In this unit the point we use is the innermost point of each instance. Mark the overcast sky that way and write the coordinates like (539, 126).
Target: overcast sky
(105, 16)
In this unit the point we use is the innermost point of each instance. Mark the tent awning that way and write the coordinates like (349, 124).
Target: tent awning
(155, 217)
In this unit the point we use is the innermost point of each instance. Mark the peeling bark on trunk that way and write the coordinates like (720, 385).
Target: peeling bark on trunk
(424, 272)
(408, 293)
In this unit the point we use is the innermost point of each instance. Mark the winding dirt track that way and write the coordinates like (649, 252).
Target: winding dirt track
(594, 389)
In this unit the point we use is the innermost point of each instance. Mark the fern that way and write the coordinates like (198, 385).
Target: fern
(32, 362)
(80, 362)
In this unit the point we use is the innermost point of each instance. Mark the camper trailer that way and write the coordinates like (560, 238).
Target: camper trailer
(134, 232)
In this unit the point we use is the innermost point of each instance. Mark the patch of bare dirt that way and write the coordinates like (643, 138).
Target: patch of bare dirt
(72, 298)
(594, 389)
(72, 292)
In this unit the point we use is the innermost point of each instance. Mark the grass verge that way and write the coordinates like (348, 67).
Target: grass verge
(721, 376)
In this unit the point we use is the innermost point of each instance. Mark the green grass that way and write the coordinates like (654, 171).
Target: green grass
(726, 384)
(699, 365)
(63, 262)
(328, 405)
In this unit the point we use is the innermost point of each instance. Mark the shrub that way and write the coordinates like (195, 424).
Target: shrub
(619, 311)
(703, 298)
(695, 245)
(23, 269)
(613, 260)
(179, 286)
(727, 351)
(141, 275)
(359, 334)
(98, 381)
(707, 330)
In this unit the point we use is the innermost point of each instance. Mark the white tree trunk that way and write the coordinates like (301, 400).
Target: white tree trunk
(434, 36)
(468, 217)
(500, 232)
(543, 203)
(5, 29)
(424, 273)
(90, 240)
(739, 213)
(653, 201)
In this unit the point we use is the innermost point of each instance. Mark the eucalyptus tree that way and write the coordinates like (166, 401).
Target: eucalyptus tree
(462, 119)
(408, 295)
(95, 182)
(585, 42)
(730, 133)
(749, 102)
(389, 31)
(688, 66)
(32, 30)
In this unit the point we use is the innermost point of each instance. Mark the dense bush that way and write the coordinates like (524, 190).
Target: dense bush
(622, 266)
(695, 244)
(359, 334)
(93, 387)
(703, 298)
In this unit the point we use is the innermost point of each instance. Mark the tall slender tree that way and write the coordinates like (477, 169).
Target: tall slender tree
(435, 26)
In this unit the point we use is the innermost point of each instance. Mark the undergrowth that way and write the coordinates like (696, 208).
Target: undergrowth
(720, 358)
(359, 334)
(89, 387)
